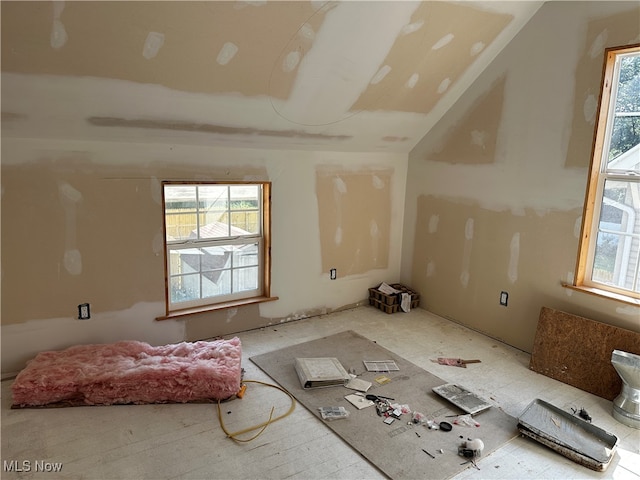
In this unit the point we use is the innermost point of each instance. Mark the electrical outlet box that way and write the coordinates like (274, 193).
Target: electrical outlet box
(504, 298)
(84, 311)
(333, 274)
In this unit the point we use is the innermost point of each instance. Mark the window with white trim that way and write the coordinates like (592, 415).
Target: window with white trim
(609, 256)
(216, 243)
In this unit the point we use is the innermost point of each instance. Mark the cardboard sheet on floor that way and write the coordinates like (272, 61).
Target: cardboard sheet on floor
(395, 448)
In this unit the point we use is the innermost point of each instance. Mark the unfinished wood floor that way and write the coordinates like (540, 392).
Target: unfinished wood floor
(187, 442)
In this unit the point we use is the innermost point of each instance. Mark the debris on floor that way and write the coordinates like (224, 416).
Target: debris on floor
(462, 398)
(466, 421)
(359, 401)
(381, 366)
(333, 413)
(454, 362)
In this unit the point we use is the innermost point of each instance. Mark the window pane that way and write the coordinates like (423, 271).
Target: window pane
(180, 211)
(245, 279)
(624, 153)
(616, 255)
(245, 255)
(245, 209)
(622, 202)
(203, 272)
(185, 288)
(215, 258)
(605, 257)
(217, 282)
(214, 229)
(179, 193)
(214, 205)
(244, 196)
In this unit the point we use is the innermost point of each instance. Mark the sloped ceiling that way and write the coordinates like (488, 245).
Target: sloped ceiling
(348, 76)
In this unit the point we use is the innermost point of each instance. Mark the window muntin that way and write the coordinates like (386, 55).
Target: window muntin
(215, 242)
(609, 257)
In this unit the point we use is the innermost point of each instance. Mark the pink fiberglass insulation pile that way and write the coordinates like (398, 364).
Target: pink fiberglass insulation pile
(131, 372)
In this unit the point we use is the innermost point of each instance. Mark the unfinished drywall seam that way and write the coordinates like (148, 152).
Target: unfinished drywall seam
(328, 84)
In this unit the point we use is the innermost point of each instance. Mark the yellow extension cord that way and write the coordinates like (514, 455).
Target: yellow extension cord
(263, 425)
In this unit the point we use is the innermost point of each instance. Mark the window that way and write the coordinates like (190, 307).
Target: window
(609, 256)
(216, 244)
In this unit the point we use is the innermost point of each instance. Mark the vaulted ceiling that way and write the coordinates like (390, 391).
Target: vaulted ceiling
(349, 76)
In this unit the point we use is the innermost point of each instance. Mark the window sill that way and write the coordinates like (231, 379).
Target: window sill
(212, 308)
(604, 294)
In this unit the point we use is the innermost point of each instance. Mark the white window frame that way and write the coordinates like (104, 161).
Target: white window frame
(231, 241)
(599, 174)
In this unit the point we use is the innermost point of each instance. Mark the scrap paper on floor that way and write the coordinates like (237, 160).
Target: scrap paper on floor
(358, 384)
(359, 401)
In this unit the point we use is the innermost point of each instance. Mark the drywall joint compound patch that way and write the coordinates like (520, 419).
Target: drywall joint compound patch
(413, 80)
(444, 85)
(476, 48)
(379, 76)
(443, 41)
(339, 189)
(227, 52)
(377, 182)
(232, 312)
(466, 254)
(69, 198)
(431, 269)
(291, 61)
(307, 31)
(152, 45)
(590, 108)
(58, 32)
(514, 258)
(577, 227)
(478, 138)
(412, 27)
(433, 223)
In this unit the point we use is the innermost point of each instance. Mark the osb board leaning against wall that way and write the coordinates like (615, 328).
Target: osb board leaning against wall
(577, 351)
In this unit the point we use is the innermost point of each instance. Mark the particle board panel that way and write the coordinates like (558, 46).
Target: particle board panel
(577, 351)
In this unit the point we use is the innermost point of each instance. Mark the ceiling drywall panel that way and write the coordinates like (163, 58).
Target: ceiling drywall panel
(365, 75)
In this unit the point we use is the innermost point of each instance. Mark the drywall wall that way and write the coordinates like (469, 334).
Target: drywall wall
(495, 190)
(94, 117)
(348, 220)
(82, 222)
